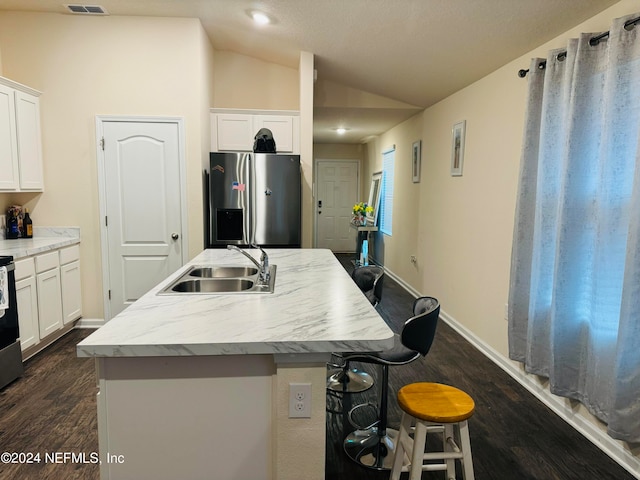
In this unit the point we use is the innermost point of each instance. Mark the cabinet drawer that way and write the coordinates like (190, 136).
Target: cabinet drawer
(25, 268)
(69, 254)
(47, 261)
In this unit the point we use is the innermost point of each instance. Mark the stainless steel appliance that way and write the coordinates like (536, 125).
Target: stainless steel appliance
(253, 198)
(10, 352)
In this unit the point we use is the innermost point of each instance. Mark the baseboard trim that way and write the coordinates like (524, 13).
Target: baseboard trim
(402, 283)
(618, 451)
(560, 405)
(90, 323)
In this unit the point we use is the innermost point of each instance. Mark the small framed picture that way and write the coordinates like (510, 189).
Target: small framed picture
(415, 161)
(457, 148)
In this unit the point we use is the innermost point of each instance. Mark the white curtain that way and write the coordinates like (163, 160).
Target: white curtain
(574, 299)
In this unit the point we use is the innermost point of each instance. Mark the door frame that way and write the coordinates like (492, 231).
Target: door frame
(315, 187)
(102, 192)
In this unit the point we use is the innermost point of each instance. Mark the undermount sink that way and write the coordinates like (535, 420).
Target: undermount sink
(220, 279)
(211, 286)
(223, 272)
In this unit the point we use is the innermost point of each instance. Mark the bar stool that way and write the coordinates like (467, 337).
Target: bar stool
(371, 447)
(433, 407)
(351, 380)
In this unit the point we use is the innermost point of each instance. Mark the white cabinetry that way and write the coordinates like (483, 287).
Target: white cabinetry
(27, 302)
(8, 140)
(235, 131)
(70, 283)
(20, 138)
(49, 293)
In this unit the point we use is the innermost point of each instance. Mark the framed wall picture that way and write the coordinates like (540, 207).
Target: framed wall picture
(374, 198)
(415, 161)
(457, 148)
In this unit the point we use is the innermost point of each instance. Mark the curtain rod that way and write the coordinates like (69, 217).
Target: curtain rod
(593, 41)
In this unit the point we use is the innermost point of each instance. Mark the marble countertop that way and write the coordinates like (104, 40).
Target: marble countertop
(44, 239)
(315, 308)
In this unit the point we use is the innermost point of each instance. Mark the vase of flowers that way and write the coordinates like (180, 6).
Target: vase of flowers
(360, 211)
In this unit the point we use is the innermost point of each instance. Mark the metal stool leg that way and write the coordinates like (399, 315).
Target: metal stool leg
(349, 380)
(373, 447)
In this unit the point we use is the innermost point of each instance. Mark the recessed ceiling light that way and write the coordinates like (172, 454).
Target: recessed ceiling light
(341, 131)
(260, 18)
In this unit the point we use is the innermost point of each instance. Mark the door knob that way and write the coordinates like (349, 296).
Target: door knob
(175, 236)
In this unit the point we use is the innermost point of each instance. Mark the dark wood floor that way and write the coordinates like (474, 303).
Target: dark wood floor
(52, 408)
(513, 436)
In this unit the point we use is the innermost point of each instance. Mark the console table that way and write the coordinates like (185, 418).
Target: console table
(363, 234)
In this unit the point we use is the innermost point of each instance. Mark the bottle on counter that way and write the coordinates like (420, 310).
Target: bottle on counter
(12, 225)
(27, 225)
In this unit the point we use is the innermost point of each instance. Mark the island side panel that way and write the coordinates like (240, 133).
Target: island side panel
(186, 417)
(301, 442)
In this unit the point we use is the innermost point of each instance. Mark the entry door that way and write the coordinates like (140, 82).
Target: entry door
(337, 192)
(142, 205)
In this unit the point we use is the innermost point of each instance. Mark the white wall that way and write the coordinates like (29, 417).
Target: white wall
(246, 82)
(465, 224)
(88, 66)
(143, 66)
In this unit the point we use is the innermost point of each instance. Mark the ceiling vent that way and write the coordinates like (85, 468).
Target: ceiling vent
(87, 9)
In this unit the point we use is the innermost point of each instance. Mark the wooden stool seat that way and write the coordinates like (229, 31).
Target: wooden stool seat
(433, 407)
(435, 402)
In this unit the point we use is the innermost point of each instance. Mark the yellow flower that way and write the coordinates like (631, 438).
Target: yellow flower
(362, 209)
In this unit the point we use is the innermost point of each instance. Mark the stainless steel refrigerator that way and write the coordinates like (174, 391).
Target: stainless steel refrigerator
(252, 198)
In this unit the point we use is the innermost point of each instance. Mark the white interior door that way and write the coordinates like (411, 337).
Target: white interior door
(337, 192)
(142, 205)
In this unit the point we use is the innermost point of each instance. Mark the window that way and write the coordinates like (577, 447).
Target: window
(386, 208)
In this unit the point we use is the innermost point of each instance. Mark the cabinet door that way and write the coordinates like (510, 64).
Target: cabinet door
(50, 301)
(8, 145)
(27, 312)
(71, 292)
(234, 132)
(281, 127)
(29, 141)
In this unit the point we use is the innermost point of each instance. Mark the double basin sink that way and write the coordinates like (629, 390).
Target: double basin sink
(220, 279)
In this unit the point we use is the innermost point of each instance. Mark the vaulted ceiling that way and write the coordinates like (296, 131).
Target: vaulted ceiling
(414, 52)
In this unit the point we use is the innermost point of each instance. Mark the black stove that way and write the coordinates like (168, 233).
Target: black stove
(10, 352)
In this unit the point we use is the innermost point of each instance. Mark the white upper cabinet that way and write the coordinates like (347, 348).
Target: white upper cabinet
(234, 131)
(20, 138)
(284, 132)
(8, 140)
(29, 141)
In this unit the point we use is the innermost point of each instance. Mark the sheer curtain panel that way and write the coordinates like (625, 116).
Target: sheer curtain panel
(574, 297)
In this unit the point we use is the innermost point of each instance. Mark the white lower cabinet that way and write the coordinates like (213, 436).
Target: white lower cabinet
(48, 293)
(27, 302)
(70, 283)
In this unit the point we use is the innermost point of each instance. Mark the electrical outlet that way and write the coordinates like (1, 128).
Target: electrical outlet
(413, 259)
(299, 400)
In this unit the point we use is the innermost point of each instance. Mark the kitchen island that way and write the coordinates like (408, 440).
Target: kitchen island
(196, 386)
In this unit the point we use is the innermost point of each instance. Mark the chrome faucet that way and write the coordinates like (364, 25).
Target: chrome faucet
(263, 268)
